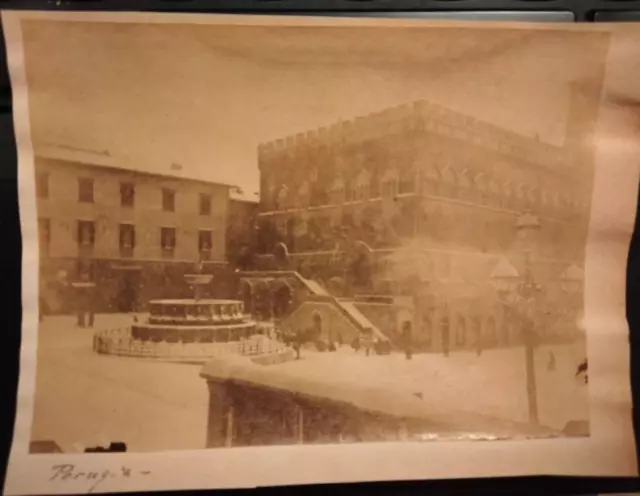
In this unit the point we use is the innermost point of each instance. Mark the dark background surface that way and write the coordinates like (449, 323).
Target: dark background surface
(10, 239)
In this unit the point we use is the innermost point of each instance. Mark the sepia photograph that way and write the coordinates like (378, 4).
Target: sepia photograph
(263, 234)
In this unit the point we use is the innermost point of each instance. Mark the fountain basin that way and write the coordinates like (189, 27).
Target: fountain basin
(196, 312)
(194, 321)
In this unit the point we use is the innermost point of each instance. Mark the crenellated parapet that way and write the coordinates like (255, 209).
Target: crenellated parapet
(426, 117)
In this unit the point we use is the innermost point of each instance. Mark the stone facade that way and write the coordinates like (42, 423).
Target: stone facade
(134, 234)
(422, 201)
(417, 171)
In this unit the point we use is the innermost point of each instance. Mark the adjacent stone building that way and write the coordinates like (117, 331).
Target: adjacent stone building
(133, 233)
(421, 204)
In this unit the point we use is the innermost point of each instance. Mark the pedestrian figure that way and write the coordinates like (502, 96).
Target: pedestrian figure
(479, 346)
(356, 344)
(408, 353)
(367, 341)
(406, 339)
(297, 345)
(445, 337)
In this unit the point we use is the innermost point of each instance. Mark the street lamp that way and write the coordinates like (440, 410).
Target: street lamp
(518, 293)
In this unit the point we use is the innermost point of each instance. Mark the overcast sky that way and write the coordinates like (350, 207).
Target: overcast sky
(205, 96)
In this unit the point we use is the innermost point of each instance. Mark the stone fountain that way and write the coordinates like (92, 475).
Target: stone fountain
(202, 320)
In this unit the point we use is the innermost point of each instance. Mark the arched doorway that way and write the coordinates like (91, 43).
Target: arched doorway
(282, 299)
(316, 329)
(281, 256)
(262, 300)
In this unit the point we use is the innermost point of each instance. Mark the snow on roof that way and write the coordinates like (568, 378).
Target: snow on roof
(313, 286)
(355, 390)
(356, 314)
(103, 158)
(238, 194)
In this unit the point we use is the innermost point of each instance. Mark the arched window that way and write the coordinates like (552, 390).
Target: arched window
(466, 187)
(390, 183)
(450, 182)
(283, 197)
(271, 190)
(349, 191)
(337, 191)
(481, 188)
(363, 186)
(432, 180)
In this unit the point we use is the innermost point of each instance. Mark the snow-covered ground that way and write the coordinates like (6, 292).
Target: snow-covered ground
(493, 384)
(84, 399)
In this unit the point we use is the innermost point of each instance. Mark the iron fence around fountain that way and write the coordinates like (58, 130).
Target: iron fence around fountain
(119, 342)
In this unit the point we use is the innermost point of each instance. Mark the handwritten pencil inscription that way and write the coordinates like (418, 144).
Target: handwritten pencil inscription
(70, 472)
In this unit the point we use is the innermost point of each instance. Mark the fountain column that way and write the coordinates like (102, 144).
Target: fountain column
(198, 281)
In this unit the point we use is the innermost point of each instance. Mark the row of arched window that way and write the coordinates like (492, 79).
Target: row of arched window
(449, 183)
(465, 332)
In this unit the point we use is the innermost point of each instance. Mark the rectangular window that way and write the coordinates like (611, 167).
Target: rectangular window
(205, 204)
(168, 238)
(127, 239)
(42, 185)
(127, 195)
(44, 234)
(86, 233)
(204, 244)
(168, 200)
(85, 190)
(204, 240)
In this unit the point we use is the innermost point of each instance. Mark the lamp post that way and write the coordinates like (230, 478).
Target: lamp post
(518, 293)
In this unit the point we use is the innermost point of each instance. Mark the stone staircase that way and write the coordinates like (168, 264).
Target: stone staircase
(339, 316)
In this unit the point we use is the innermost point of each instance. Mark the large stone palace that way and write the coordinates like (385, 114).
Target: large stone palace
(410, 210)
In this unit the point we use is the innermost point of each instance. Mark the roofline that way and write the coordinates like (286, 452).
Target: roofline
(87, 163)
